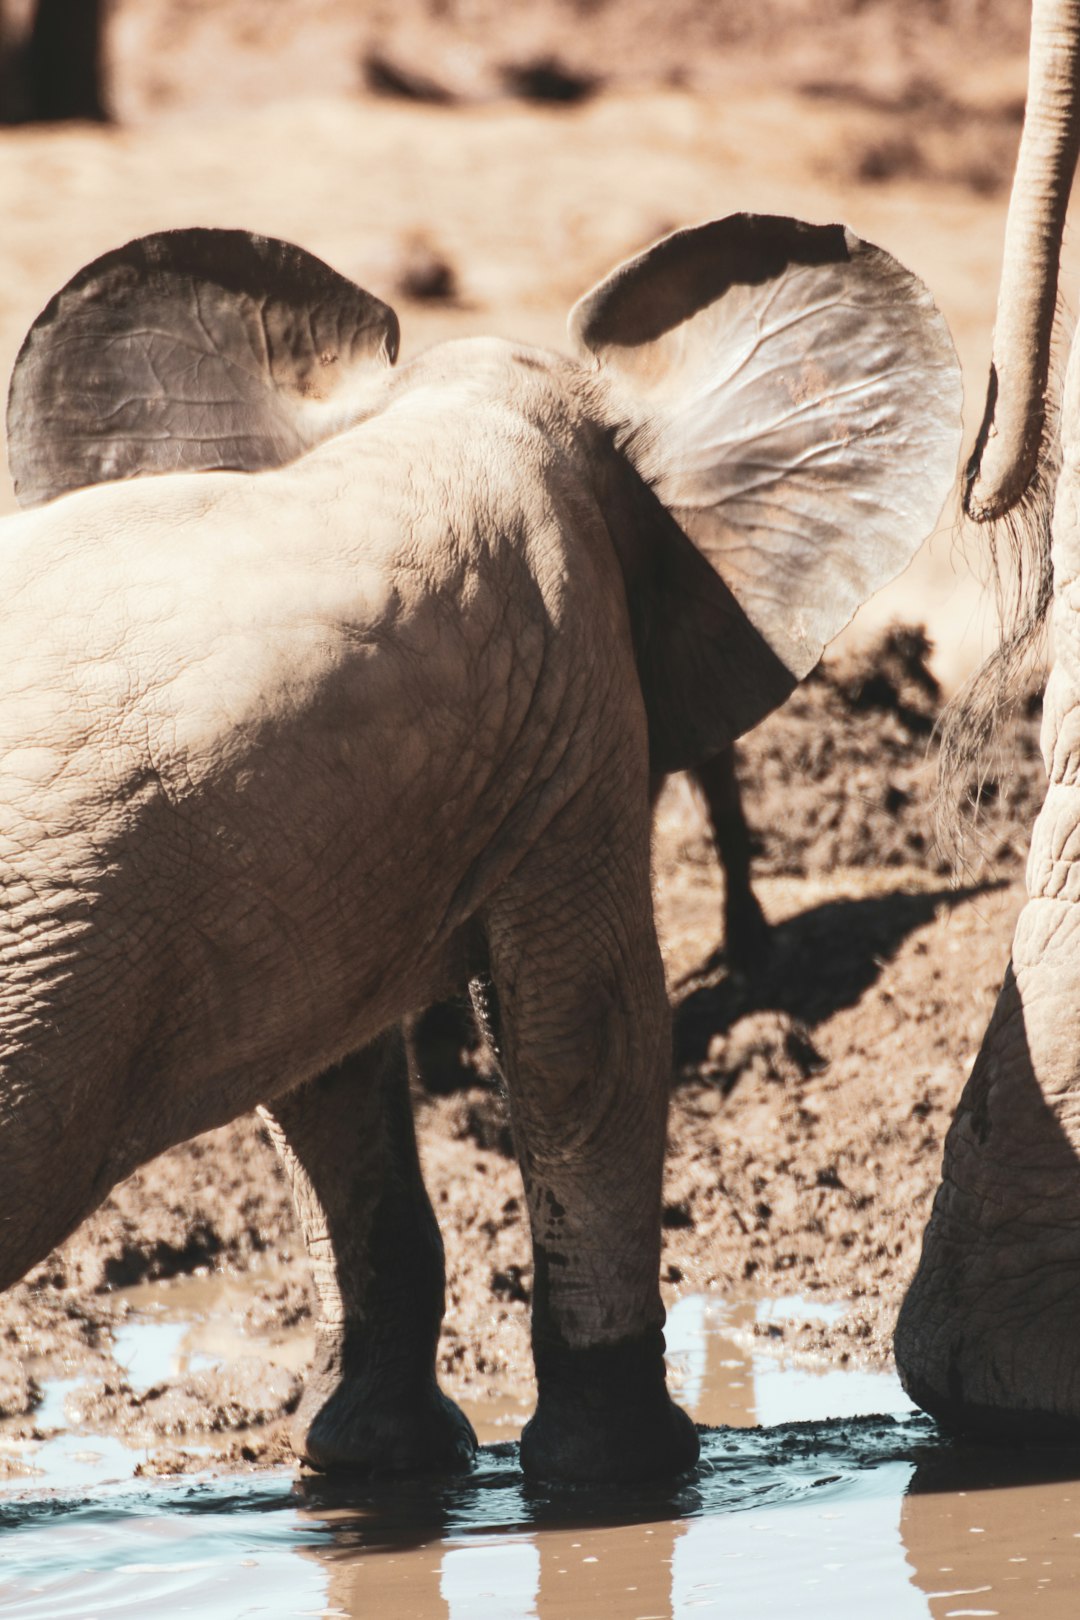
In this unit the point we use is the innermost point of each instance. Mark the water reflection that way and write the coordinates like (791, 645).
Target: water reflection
(840, 1516)
(213, 1549)
(993, 1532)
(812, 1510)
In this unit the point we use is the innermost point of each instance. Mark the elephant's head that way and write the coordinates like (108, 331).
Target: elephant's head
(784, 396)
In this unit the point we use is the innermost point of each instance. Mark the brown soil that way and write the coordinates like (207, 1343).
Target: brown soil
(412, 146)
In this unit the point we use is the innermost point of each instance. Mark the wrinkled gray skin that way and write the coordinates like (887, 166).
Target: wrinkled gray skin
(439, 1040)
(288, 753)
(987, 1338)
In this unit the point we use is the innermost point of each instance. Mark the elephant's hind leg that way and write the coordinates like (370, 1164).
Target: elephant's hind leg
(371, 1403)
(584, 1036)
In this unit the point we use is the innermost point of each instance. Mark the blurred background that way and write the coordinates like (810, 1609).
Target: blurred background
(481, 164)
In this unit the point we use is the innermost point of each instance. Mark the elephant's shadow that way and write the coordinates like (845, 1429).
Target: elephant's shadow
(822, 960)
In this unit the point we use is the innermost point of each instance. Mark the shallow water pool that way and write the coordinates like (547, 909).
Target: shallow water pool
(824, 1494)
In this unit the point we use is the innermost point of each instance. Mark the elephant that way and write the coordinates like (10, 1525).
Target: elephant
(331, 686)
(986, 1335)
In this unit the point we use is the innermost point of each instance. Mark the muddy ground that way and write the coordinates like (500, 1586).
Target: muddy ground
(410, 146)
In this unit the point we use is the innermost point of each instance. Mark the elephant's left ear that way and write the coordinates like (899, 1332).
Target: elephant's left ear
(793, 397)
(189, 351)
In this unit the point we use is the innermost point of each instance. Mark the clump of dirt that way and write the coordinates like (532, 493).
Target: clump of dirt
(19, 1392)
(384, 76)
(547, 78)
(425, 275)
(249, 1450)
(845, 773)
(241, 1394)
(766, 1045)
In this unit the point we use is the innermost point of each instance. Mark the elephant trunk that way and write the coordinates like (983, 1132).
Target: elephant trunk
(1006, 453)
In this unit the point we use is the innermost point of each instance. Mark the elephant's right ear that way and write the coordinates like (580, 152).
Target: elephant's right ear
(190, 350)
(793, 397)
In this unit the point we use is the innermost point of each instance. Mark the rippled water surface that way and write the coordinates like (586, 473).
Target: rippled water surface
(823, 1494)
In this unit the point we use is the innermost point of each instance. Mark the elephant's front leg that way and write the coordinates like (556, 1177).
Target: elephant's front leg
(584, 1034)
(988, 1338)
(371, 1402)
(746, 933)
(988, 1335)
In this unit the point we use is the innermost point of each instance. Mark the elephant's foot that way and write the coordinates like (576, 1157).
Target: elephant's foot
(987, 1337)
(604, 1416)
(747, 936)
(374, 1420)
(988, 1344)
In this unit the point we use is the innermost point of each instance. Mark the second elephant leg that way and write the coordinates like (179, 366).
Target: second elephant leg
(746, 933)
(371, 1402)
